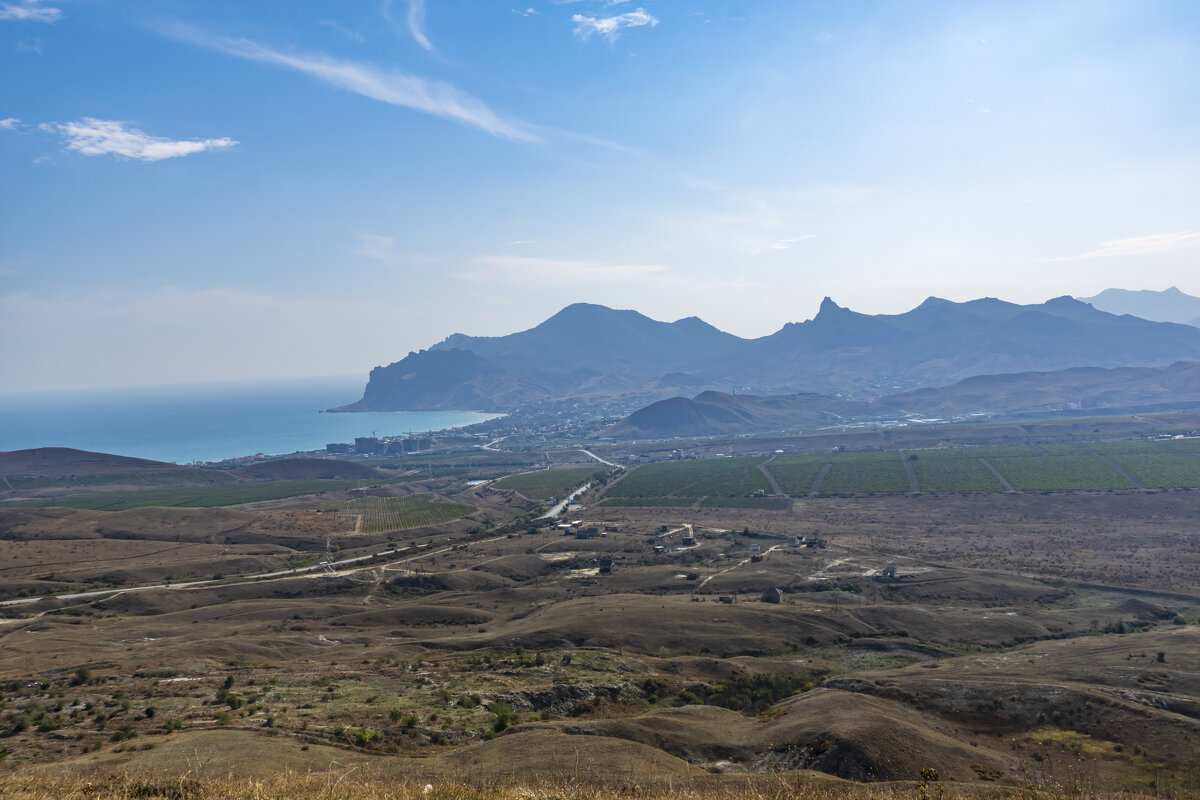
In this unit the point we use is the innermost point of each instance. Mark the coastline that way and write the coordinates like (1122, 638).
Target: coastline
(208, 423)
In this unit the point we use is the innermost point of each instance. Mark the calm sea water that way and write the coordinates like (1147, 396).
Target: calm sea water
(208, 422)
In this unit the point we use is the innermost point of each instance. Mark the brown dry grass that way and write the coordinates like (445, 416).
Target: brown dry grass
(346, 785)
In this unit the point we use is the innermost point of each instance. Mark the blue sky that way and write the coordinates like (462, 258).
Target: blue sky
(220, 190)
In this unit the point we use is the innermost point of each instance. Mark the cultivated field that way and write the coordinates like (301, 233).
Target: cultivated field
(1051, 467)
(724, 477)
(548, 483)
(385, 514)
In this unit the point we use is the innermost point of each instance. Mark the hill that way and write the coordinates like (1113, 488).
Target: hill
(1169, 305)
(62, 462)
(713, 412)
(306, 469)
(1124, 388)
(595, 353)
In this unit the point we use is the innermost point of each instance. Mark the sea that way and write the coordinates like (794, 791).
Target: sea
(209, 422)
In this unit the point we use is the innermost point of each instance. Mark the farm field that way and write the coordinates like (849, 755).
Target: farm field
(795, 473)
(1080, 471)
(549, 482)
(162, 478)
(385, 514)
(193, 496)
(865, 473)
(725, 477)
(946, 470)
(1034, 468)
(649, 502)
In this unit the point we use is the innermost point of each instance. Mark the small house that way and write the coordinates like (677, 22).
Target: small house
(889, 572)
(773, 595)
(726, 599)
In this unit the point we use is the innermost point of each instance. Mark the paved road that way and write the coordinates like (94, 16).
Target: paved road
(598, 458)
(558, 509)
(283, 573)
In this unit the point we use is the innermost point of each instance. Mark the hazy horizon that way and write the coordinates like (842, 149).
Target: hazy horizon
(232, 192)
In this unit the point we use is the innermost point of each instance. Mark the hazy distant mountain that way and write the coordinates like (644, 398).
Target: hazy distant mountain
(593, 352)
(1170, 305)
(1085, 389)
(1143, 388)
(941, 341)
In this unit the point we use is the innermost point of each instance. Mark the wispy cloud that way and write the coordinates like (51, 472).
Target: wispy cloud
(786, 244)
(534, 271)
(343, 30)
(416, 23)
(395, 88)
(414, 20)
(1137, 246)
(531, 272)
(97, 137)
(610, 27)
(9, 124)
(30, 11)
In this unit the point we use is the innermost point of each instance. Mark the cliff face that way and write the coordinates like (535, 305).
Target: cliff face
(434, 380)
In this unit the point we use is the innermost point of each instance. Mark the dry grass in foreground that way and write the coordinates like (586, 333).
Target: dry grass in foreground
(347, 786)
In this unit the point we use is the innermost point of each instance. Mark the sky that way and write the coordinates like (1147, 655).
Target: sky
(229, 190)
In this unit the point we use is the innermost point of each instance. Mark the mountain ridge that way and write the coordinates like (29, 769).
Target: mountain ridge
(1168, 305)
(590, 352)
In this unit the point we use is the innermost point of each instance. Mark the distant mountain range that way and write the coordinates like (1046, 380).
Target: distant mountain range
(1170, 305)
(1083, 389)
(592, 352)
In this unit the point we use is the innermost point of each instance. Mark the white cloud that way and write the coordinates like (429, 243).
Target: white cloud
(9, 124)
(395, 88)
(1137, 246)
(528, 12)
(95, 137)
(786, 244)
(533, 271)
(379, 248)
(30, 11)
(610, 27)
(416, 23)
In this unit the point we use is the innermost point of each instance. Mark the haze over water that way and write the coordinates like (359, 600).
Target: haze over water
(206, 422)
